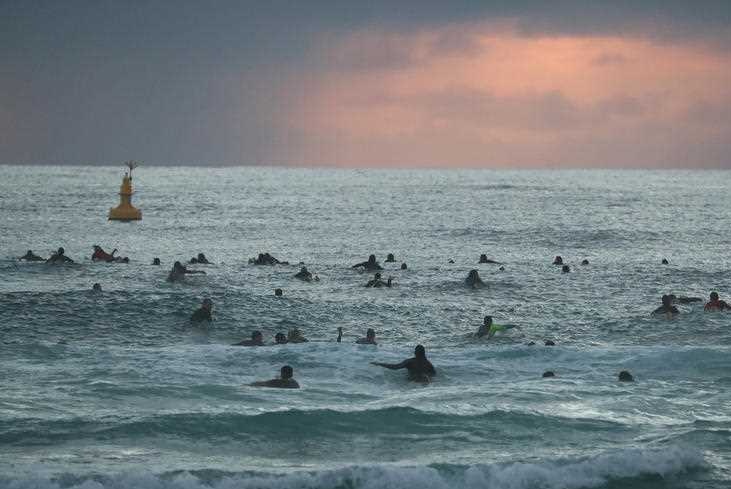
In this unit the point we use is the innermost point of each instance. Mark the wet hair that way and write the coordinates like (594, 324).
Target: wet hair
(487, 319)
(665, 261)
(96, 286)
(372, 258)
(548, 373)
(666, 300)
(201, 256)
(558, 260)
(549, 343)
(625, 376)
(714, 296)
(403, 266)
(255, 334)
(419, 351)
(565, 269)
(370, 333)
(60, 250)
(278, 292)
(286, 372)
(390, 257)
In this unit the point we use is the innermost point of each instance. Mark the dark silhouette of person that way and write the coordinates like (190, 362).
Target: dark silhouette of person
(420, 369)
(203, 313)
(667, 308)
(59, 257)
(30, 256)
(558, 260)
(473, 279)
(369, 265)
(285, 380)
(715, 304)
(370, 338)
(390, 258)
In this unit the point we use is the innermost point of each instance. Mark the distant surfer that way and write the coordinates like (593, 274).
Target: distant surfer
(203, 313)
(294, 335)
(96, 288)
(30, 256)
(285, 380)
(420, 369)
(473, 279)
(667, 308)
(280, 339)
(156, 261)
(488, 328)
(370, 338)
(558, 260)
(390, 258)
(179, 272)
(485, 259)
(304, 275)
(257, 339)
(376, 281)
(625, 376)
(201, 259)
(370, 265)
(266, 259)
(59, 257)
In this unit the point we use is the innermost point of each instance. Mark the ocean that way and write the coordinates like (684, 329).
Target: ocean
(119, 389)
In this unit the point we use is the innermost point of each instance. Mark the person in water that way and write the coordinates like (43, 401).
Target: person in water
(684, 300)
(266, 259)
(715, 304)
(156, 261)
(584, 261)
(420, 369)
(403, 266)
(202, 259)
(294, 335)
(30, 256)
(370, 338)
(667, 308)
(203, 313)
(488, 328)
(565, 269)
(278, 292)
(473, 279)
(304, 275)
(59, 257)
(665, 261)
(390, 258)
(548, 374)
(485, 259)
(280, 339)
(558, 260)
(625, 376)
(285, 380)
(257, 339)
(179, 272)
(376, 281)
(97, 287)
(101, 255)
(370, 265)
(340, 334)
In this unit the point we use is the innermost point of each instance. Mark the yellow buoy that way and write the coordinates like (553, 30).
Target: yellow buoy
(125, 211)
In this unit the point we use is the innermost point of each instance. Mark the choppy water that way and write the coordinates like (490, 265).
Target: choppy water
(119, 390)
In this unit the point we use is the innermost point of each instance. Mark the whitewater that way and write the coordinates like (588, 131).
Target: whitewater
(120, 389)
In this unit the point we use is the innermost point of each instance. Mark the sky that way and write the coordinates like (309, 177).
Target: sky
(521, 84)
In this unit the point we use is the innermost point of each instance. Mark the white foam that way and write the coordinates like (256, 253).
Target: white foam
(562, 474)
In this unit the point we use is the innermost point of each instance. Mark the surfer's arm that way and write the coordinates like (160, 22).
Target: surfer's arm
(391, 366)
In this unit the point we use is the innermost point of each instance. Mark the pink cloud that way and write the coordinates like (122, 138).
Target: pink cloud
(483, 95)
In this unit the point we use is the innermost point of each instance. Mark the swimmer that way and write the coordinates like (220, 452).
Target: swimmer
(278, 292)
(369, 265)
(294, 335)
(257, 339)
(156, 261)
(548, 374)
(285, 380)
(485, 259)
(488, 328)
(59, 257)
(473, 280)
(390, 258)
(266, 259)
(565, 269)
(584, 261)
(101, 255)
(558, 260)
(714, 304)
(203, 313)
(403, 266)
(340, 334)
(370, 338)
(96, 288)
(179, 271)
(377, 282)
(549, 343)
(202, 259)
(280, 339)
(665, 261)
(304, 275)
(667, 308)
(450, 261)
(30, 256)
(625, 376)
(420, 369)
(502, 269)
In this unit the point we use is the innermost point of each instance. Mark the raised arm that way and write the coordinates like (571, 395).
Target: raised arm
(392, 366)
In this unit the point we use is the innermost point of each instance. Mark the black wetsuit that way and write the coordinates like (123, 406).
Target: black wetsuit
(278, 384)
(419, 369)
(201, 314)
(666, 310)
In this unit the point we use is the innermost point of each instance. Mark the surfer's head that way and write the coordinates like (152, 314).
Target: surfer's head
(487, 321)
(625, 376)
(419, 352)
(286, 372)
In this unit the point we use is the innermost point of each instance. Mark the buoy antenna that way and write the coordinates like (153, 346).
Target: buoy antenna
(131, 165)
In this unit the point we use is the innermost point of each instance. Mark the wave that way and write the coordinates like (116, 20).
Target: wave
(325, 423)
(625, 468)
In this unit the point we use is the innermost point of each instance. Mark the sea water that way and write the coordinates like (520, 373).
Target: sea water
(121, 390)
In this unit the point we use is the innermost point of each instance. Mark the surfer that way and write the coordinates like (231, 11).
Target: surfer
(156, 261)
(101, 255)
(420, 369)
(30, 256)
(304, 275)
(369, 265)
(294, 335)
(473, 279)
(280, 339)
(201, 258)
(285, 380)
(370, 338)
(390, 258)
(266, 259)
(203, 313)
(485, 259)
(667, 308)
(488, 328)
(179, 271)
(257, 339)
(376, 281)
(59, 257)
(715, 304)
(565, 269)
(558, 260)
(96, 288)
